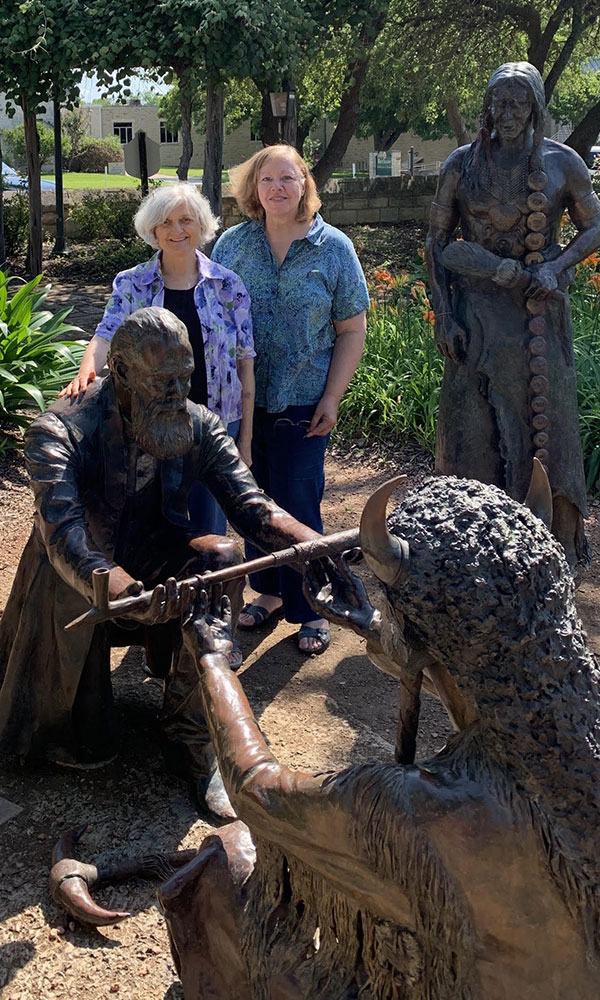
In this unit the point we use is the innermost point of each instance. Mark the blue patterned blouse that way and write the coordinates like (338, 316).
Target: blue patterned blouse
(293, 306)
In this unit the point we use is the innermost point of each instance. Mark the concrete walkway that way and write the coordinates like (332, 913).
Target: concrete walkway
(87, 303)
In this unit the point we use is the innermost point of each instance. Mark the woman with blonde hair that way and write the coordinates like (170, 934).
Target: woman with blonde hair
(309, 300)
(176, 220)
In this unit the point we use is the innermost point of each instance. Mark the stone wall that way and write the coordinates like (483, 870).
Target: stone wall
(387, 200)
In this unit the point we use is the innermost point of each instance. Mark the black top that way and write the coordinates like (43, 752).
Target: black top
(181, 302)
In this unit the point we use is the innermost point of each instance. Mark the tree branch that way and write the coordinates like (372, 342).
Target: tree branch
(583, 136)
(577, 29)
(537, 51)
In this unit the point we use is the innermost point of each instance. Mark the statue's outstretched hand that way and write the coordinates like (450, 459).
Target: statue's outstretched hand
(207, 629)
(167, 601)
(544, 281)
(335, 593)
(450, 338)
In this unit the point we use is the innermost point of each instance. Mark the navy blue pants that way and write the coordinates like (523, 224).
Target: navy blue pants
(206, 516)
(290, 468)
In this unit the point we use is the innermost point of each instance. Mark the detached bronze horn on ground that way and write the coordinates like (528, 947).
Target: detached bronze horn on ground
(71, 880)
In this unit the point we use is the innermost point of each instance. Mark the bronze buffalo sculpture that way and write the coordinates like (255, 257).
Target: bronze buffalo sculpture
(471, 875)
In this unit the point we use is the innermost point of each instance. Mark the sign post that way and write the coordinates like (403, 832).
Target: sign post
(142, 158)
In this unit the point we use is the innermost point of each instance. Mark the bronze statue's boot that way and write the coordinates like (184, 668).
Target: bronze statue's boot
(185, 740)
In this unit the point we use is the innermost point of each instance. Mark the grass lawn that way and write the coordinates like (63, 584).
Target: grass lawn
(79, 182)
(82, 182)
(172, 172)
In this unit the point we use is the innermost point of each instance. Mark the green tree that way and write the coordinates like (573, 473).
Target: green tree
(197, 39)
(75, 126)
(431, 62)
(14, 141)
(577, 91)
(41, 42)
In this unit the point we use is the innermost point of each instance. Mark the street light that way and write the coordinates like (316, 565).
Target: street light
(283, 107)
(283, 103)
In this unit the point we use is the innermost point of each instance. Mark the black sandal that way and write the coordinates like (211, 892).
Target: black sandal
(260, 616)
(323, 635)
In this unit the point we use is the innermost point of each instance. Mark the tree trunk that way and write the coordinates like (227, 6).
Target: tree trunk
(32, 151)
(386, 139)
(290, 125)
(346, 124)
(187, 146)
(457, 122)
(59, 244)
(269, 126)
(213, 146)
(302, 133)
(564, 56)
(2, 242)
(584, 135)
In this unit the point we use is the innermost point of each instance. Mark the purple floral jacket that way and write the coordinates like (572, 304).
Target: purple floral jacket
(223, 306)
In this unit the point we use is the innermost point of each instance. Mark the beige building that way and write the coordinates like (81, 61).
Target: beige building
(124, 120)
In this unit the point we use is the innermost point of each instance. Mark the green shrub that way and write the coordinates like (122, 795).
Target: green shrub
(96, 154)
(16, 223)
(34, 363)
(105, 216)
(395, 392)
(105, 259)
(585, 302)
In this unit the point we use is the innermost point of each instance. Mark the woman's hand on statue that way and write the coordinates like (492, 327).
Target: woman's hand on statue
(544, 281)
(324, 417)
(78, 384)
(450, 338)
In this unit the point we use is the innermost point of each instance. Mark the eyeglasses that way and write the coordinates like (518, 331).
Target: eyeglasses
(286, 422)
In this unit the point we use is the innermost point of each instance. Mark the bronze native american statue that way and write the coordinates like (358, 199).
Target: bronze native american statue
(471, 876)
(500, 298)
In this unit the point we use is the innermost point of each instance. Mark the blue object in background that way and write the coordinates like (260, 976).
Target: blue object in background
(12, 179)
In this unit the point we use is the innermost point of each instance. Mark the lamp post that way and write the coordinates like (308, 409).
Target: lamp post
(283, 108)
(59, 244)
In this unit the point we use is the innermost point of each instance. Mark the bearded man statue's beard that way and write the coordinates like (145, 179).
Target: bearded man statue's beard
(160, 429)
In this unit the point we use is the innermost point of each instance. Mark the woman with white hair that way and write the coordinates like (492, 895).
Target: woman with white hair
(212, 302)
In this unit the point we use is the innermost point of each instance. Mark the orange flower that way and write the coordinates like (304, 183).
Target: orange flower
(594, 280)
(592, 261)
(383, 277)
(429, 316)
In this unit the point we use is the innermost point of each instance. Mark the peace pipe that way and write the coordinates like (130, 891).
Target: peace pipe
(104, 609)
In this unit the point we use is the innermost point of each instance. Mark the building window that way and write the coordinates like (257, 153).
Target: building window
(123, 131)
(166, 136)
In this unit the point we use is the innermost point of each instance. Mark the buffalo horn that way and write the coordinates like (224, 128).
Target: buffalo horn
(70, 883)
(539, 494)
(386, 554)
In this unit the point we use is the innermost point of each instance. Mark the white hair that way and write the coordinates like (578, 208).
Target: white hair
(156, 207)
